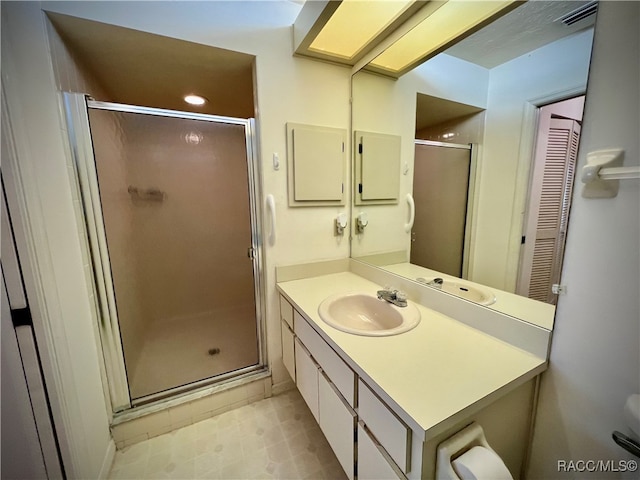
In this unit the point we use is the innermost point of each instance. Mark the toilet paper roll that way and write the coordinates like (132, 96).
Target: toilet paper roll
(480, 463)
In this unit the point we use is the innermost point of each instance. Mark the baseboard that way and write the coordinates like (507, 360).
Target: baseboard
(109, 455)
(282, 387)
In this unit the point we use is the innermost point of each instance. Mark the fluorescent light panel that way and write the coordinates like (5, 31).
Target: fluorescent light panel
(355, 23)
(447, 23)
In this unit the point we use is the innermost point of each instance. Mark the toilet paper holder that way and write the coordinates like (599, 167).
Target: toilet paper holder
(456, 446)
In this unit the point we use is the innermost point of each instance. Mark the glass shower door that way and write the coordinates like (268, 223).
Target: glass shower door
(176, 202)
(440, 192)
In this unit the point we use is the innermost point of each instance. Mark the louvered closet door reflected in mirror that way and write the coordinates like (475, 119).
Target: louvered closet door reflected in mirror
(550, 199)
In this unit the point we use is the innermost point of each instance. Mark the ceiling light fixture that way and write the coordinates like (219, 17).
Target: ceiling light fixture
(195, 100)
(344, 31)
(355, 24)
(449, 23)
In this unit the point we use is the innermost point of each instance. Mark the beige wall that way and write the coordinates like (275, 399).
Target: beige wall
(595, 354)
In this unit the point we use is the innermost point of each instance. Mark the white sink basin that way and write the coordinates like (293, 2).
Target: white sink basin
(473, 293)
(364, 314)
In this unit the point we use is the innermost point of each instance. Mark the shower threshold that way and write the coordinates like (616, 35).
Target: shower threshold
(188, 393)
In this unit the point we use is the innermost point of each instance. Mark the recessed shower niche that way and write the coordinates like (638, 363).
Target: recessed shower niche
(169, 195)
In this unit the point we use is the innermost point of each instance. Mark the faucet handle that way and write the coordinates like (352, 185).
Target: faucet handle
(401, 296)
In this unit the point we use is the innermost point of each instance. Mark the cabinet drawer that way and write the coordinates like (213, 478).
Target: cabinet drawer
(337, 422)
(288, 351)
(390, 431)
(373, 461)
(307, 378)
(338, 372)
(286, 311)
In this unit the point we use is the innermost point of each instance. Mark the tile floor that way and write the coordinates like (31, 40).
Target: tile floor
(273, 438)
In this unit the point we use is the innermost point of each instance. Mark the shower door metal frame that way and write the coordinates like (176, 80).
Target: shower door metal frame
(77, 112)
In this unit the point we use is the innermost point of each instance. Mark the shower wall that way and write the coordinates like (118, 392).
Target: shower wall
(189, 245)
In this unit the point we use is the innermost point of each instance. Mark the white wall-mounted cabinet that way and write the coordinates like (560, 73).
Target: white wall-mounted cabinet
(316, 165)
(377, 168)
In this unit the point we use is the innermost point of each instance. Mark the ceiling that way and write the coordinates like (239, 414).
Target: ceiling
(140, 68)
(526, 28)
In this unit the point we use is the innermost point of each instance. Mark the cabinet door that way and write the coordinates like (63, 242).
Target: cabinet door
(307, 378)
(383, 423)
(373, 462)
(316, 165)
(288, 351)
(286, 311)
(337, 422)
(339, 372)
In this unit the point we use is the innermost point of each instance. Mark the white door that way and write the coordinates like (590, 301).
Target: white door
(29, 447)
(549, 199)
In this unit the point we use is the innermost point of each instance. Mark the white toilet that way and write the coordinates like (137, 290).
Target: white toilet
(468, 456)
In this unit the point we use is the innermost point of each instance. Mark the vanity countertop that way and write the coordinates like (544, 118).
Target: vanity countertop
(526, 309)
(432, 376)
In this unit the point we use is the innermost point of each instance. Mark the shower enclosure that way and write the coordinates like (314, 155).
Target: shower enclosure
(442, 190)
(172, 224)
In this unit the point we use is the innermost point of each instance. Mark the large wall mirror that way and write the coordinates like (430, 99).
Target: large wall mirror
(488, 133)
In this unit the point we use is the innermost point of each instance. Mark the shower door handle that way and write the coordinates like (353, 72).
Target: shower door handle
(251, 253)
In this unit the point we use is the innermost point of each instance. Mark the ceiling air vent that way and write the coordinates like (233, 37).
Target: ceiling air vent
(580, 13)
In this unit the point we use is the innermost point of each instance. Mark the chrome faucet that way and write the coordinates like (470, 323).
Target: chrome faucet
(396, 297)
(435, 283)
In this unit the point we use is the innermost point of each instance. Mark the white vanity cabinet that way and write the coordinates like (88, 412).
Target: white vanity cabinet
(387, 426)
(335, 368)
(337, 422)
(374, 463)
(287, 337)
(307, 378)
(324, 381)
(391, 432)
(332, 391)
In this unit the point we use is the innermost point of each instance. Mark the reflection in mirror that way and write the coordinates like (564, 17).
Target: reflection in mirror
(484, 156)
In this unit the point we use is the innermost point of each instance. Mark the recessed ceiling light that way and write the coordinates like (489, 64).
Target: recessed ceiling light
(195, 100)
